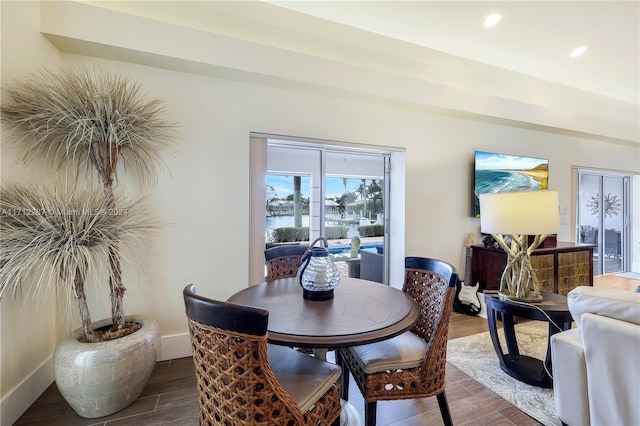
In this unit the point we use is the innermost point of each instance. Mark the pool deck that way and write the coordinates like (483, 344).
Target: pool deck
(367, 242)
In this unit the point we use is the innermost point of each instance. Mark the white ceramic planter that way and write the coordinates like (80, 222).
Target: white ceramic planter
(98, 379)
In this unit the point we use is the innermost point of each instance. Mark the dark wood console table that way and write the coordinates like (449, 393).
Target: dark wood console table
(559, 269)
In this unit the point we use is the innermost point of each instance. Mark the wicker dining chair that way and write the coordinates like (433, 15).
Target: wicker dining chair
(283, 261)
(411, 365)
(244, 381)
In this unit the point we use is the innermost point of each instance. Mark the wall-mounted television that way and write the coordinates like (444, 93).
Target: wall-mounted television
(507, 173)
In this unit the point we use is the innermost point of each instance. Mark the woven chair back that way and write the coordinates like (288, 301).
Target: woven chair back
(431, 283)
(283, 261)
(428, 281)
(236, 386)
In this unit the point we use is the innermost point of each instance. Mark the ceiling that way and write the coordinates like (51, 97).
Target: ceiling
(533, 37)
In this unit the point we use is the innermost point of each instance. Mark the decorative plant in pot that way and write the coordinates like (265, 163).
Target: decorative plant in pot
(89, 123)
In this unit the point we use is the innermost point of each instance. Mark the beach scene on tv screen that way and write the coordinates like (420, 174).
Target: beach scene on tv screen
(508, 173)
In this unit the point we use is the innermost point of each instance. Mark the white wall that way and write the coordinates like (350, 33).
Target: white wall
(205, 197)
(29, 331)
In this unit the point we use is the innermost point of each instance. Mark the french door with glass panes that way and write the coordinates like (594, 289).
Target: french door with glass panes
(333, 192)
(602, 212)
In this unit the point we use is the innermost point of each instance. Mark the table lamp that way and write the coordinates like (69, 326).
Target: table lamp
(518, 215)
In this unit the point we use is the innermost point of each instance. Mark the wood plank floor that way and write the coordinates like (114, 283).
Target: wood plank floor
(170, 396)
(170, 399)
(615, 281)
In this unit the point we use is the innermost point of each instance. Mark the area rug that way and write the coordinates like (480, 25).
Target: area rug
(474, 355)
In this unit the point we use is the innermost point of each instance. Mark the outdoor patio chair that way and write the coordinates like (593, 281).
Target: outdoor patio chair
(283, 261)
(243, 381)
(411, 365)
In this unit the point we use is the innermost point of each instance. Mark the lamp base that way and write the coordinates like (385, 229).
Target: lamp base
(527, 299)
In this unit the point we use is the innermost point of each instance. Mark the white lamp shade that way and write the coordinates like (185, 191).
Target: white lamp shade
(520, 213)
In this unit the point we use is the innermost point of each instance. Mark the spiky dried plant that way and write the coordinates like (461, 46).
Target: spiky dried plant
(89, 119)
(68, 232)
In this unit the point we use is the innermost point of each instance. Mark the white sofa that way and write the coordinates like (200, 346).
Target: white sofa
(596, 366)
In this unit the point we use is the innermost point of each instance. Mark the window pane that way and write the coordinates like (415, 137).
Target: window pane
(340, 198)
(354, 209)
(612, 214)
(588, 217)
(601, 220)
(287, 208)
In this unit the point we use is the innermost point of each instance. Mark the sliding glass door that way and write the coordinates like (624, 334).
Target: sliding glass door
(603, 201)
(339, 193)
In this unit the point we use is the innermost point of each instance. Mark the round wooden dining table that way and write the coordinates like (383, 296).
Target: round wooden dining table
(360, 312)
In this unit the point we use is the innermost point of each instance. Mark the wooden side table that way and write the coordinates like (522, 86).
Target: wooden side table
(553, 309)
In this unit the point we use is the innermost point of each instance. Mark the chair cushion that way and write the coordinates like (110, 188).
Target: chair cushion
(613, 303)
(401, 352)
(305, 378)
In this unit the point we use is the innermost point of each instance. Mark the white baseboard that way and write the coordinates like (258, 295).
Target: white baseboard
(18, 400)
(175, 346)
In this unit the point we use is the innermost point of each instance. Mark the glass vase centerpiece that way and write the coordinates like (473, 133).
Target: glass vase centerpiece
(318, 275)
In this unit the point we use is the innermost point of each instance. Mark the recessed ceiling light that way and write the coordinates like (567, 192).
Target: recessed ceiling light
(578, 51)
(491, 20)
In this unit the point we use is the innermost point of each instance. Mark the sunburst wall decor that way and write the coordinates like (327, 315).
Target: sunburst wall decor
(610, 202)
